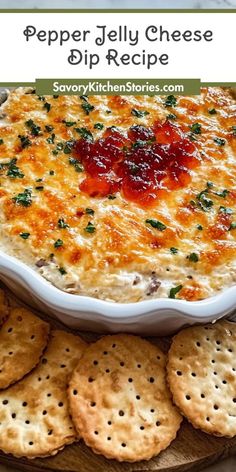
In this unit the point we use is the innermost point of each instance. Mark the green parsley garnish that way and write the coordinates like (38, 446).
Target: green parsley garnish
(204, 202)
(34, 129)
(49, 128)
(139, 113)
(209, 184)
(77, 165)
(90, 228)
(196, 128)
(234, 130)
(24, 235)
(171, 116)
(89, 211)
(41, 98)
(232, 226)
(175, 290)
(62, 270)
(51, 172)
(55, 96)
(222, 194)
(69, 123)
(227, 211)
(84, 133)
(23, 198)
(47, 106)
(219, 141)
(108, 111)
(58, 243)
(1, 141)
(61, 223)
(98, 126)
(87, 107)
(193, 257)
(212, 111)
(51, 139)
(170, 101)
(68, 147)
(25, 141)
(174, 250)
(200, 227)
(84, 97)
(39, 188)
(156, 224)
(14, 171)
(111, 197)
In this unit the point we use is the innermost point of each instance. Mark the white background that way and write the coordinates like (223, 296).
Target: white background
(209, 61)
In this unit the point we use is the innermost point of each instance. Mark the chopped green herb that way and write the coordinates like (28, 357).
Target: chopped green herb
(232, 226)
(55, 96)
(212, 111)
(219, 141)
(62, 270)
(193, 257)
(90, 228)
(227, 211)
(68, 147)
(51, 139)
(25, 141)
(61, 223)
(174, 250)
(156, 224)
(47, 106)
(34, 129)
(41, 98)
(69, 123)
(60, 146)
(55, 152)
(77, 165)
(49, 128)
(111, 197)
(171, 116)
(14, 171)
(58, 243)
(87, 107)
(200, 227)
(38, 180)
(175, 290)
(89, 211)
(98, 126)
(222, 194)
(108, 112)
(23, 198)
(40, 188)
(24, 235)
(1, 141)
(84, 97)
(84, 133)
(51, 172)
(204, 202)
(139, 113)
(141, 143)
(210, 184)
(196, 128)
(170, 101)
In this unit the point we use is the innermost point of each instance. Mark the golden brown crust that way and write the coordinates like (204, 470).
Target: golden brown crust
(201, 373)
(4, 307)
(119, 399)
(34, 416)
(23, 339)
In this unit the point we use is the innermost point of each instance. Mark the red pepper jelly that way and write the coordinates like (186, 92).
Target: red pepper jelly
(143, 165)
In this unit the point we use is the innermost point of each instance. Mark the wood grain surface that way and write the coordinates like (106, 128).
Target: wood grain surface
(191, 450)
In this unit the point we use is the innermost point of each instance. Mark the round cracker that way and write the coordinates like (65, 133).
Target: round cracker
(119, 400)
(4, 307)
(201, 372)
(34, 414)
(23, 339)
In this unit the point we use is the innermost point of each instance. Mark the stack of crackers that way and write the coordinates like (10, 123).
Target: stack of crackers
(122, 395)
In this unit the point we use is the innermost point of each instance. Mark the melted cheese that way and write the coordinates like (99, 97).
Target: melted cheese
(125, 259)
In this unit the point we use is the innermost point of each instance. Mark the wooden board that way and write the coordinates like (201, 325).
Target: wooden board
(191, 450)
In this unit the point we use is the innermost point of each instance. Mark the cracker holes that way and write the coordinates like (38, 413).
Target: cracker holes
(50, 432)
(113, 346)
(193, 374)
(44, 360)
(105, 353)
(19, 318)
(95, 362)
(142, 428)
(139, 366)
(122, 364)
(158, 358)
(198, 344)
(24, 404)
(62, 366)
(48, 377)
(10, 330)
(67, 349)
(188, 397)
(109, 423)
(92, 404)
(218, 343)
(152, 410)
(224, 382)
(13, 416)
(60, 404)
(90, 379)
(234, 400)
(138, 397)
(49, 394)
(96, 433)
(107, 371)
(130, 380)
(5, 402)
(123, 444)
(216, 386)
(216, 407)
(158, 423)
(203, 395)
(179, 372)
(151, 380)
(121, 413)
(44, 412)
(207, 419)
(75, 392)
(109, 438)
(10, 353)
(39, 379)
(31, 443)
(32, 337)
(27, 421)
(230, 350)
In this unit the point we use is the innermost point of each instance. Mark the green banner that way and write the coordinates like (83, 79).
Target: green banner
(117, 86)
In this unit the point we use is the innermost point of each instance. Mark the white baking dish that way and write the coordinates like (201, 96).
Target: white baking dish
(160, 316)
